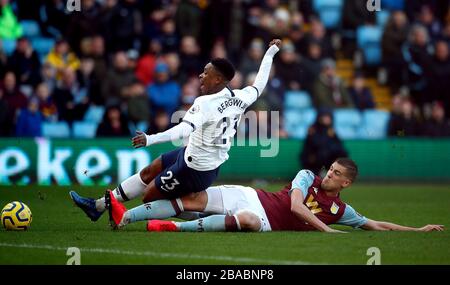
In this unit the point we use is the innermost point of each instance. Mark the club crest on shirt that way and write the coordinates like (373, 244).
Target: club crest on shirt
(334, 208)
(194, 109)
(315, 189)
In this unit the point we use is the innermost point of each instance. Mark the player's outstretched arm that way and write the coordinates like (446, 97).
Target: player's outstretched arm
(304, 214)
(180, 131)
(266, 64)
(372, 225)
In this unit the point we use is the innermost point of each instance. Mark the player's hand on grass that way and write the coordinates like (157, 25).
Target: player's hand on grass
(431, 228)
(333, 231)
(276, 42)
(140, 140)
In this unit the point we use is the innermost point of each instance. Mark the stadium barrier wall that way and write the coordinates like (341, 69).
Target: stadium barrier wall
(106, 161)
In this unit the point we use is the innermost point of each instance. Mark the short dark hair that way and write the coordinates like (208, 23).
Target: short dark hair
(350, 166)
(224, 66)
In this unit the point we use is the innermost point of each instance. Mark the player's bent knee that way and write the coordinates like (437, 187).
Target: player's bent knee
(248, 221)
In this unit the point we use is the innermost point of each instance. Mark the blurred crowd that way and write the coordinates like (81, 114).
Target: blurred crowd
(140, 60)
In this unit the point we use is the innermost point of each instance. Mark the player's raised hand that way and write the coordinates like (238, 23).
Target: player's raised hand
(431, 228)
(140, 140)
(276, 42)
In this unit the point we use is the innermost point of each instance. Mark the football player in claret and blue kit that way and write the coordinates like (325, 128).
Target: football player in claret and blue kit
(307, 203)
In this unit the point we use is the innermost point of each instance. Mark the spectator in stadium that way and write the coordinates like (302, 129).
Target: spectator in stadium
(160, 122)
(356, 14)
(14, 98)
(173, 62)
(114, 123)
(61, 58)
(25, 63)
(188, 18)
(308, 203)
(83, 25)
(191, 64)
(3, 115)
(251, 59)
(288, 67)
(72, 102)
(137, 103)
(53, 16)
(428, 19)
(29, 121)
(394, 35)
(438, 125)
(403, 121)
(361, 95)
(164, 93)
(48, 75)
(329, 90)
(169, 37)
(318, 34)
(440, 74)
(145, 67)
(100, 69)
(47, 107)
(117, 79)
(322, 145)
(3, 60)
(417, 56)
(296, 31)
(9, 25)
(127, 25)
(311, 65)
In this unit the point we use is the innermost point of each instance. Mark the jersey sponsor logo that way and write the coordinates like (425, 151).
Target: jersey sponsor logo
(232, 102)
(334, 208)
(194, 109)
(313, 205)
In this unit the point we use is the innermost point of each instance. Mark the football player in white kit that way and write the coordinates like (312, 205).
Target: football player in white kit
(210, 124)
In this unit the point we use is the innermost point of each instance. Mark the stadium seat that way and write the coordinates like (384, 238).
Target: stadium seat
(94, 114)
(55, 130)
(297, 122)
(30, 28)
(346, 132)
(86, 130)
(347, 123)
(369, 41)
(393, 4)
(382, 17)
(8, 46)
(297, 100)
(374, 124)
(330, 12)
(42, 45)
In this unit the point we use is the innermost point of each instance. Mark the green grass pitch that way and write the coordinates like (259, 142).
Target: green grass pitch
(58, 224)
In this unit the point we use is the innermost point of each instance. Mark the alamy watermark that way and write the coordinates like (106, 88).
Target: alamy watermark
(253, 128)
(373, 5)
(73, 5)
(75, 256)
(375, 256)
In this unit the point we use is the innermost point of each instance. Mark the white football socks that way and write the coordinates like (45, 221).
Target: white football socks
(129, 189)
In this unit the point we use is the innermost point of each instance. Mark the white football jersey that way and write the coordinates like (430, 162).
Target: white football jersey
(215, 119)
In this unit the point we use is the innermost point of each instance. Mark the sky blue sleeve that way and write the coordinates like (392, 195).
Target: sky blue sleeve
(352, 218)
(303, 181)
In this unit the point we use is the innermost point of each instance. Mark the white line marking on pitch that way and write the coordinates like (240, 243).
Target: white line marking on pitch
(162, 254)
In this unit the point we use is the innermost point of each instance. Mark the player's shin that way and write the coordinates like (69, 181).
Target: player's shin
(160, 209)
(214, 223)
(129, 189)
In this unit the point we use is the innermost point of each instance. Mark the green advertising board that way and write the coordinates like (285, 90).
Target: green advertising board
(106, 161)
